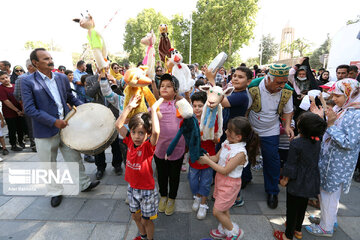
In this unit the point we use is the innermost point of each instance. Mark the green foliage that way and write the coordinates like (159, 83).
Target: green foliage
(353, 21)
(323, 49)
(234, 61)
(270, 49)
(217, 26)
(180, 37)
(30, 45)
(119, 60)
(301, 45)
(253, 61)
(221, 26)
(137, 28)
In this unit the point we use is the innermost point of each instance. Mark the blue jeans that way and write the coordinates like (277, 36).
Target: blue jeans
(271, 162)
(200, 180)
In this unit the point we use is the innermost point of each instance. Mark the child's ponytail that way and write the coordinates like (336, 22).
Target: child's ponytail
(241, 126)
(252, 146)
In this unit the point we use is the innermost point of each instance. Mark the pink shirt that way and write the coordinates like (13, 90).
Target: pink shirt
(169, 126)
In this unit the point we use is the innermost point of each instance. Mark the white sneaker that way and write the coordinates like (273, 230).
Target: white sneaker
(1, 159)
(196, 203)
(202, 211)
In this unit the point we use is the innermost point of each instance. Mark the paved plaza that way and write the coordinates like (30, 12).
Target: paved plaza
(103, 213)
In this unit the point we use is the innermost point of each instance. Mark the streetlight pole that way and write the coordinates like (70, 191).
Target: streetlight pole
(190, 38)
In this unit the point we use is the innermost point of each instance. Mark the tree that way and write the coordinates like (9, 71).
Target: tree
(221, 26)
(353, 21)
(269, 49)
(137, 28)
(301, 45)
(323, 49)
(181, 35)
(30, 45)
(252, 61)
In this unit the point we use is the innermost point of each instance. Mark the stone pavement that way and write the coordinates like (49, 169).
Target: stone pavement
(103, 214)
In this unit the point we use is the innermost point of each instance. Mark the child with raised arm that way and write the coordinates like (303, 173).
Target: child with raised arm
(229, 163)
(141, 141)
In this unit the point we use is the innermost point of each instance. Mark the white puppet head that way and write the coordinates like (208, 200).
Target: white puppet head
(86, 21)
(184, 109)
(176, 57)
(215, 94)
(149, 39)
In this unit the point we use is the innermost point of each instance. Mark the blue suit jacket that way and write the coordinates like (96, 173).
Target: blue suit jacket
(40, 105)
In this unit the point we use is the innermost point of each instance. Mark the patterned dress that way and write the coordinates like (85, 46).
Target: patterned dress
(339, 153)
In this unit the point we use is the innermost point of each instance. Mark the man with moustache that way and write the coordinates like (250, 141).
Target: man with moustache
(45, 95)
(271, 99)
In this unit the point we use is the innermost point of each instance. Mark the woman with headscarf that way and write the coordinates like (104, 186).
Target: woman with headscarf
(324, 78)
(339, 152)
(302, 80)
(17, 71)
(115, 71)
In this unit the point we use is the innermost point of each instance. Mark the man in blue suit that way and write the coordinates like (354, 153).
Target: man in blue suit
(45, 95)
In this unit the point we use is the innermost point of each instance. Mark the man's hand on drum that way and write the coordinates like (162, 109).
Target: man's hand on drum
(60, 123)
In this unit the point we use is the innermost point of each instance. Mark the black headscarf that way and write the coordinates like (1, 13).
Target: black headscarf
(14, 76)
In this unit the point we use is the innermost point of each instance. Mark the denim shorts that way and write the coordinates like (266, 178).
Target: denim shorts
(200, 180)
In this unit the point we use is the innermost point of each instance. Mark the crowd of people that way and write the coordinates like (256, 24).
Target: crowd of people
(293, 122)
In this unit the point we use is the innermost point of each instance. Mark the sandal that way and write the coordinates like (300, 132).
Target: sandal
(298, 235)
(278, 235)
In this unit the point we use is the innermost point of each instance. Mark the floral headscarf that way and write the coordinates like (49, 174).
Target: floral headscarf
(351, 89)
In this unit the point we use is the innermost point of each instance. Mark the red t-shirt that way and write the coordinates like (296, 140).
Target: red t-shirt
(139, 172)
(209, 146)
(6, 93)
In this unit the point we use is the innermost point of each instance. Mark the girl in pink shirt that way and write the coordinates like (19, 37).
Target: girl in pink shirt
(168, 169)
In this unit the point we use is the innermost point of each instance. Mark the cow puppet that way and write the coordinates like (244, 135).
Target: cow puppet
(213, 108)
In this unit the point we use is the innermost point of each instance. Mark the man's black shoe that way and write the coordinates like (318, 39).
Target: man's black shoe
(272, 201)
(16, 148)
(99, 174)
(22, 144)
(118, 171)
(55, 201)
(89, 159)
(91, 186)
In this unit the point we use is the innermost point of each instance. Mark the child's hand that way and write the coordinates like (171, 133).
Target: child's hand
(101, 75)
(316, 110)
(331, 116)
(284, 181)
(156, 105)
(2, 123)
(209, 74)
(203, 159)
(134, 101)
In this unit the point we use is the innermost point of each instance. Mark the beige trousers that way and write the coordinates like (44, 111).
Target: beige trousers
(47, 149)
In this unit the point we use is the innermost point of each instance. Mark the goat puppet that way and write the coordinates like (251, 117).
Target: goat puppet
(213, 108)
(95, 39)
(189, 128)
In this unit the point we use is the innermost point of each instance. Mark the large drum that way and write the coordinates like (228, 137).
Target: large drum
(90, 130)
